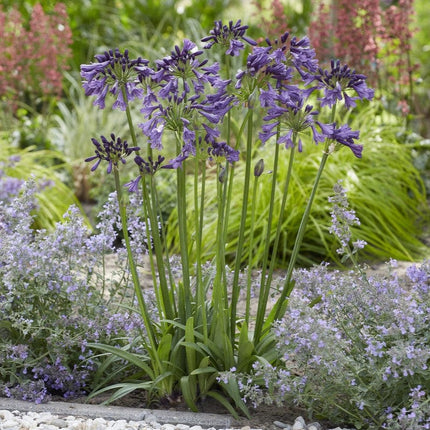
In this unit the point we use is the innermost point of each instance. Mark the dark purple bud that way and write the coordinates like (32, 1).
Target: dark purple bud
(259, 168)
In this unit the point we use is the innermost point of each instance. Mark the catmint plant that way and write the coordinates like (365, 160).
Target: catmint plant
(188, 105)
(354, 350)
(55, 297)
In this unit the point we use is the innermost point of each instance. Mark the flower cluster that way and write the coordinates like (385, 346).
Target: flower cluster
(114, 73)
(113, 151)
(339, 81)
(192, 99)
(229, 36)
(343, 219)
(290, 117)
(341, 136)
(274, 64)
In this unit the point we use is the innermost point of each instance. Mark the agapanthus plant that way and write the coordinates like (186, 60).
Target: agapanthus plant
(187, 115)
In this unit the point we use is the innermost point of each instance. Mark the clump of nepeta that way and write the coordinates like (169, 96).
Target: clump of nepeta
(56, 297)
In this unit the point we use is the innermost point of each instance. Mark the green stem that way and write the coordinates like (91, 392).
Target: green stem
(198, 219)
(235, 286)
(266, 283)
(164, 247)
(270, 216)
(167, 299)
(280, 305)
(219, 292)
(181, 198)
(250, 249)
(135, 277)
(230, 176)
(129, 119)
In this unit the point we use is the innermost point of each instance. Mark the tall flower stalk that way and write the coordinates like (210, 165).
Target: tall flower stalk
(187, 105)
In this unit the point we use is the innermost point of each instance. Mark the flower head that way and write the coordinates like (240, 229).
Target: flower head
(113, 73)
(191, 98)
(264, 65)
(230, 36)
(113, 151)
(343, 136)
(292, 115)
(274, 65)
(303, 55)
(182, 71)
(219, 150)
(339, 81)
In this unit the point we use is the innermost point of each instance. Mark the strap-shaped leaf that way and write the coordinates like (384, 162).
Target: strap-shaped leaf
(189, 390)
(137, 360)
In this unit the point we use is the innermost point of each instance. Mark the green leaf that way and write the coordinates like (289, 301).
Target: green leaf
(122, 390)
(266, 348)
(137, 360)
(189, 390)
(245, 349)
(189, 344)
(221, 399)
(205, 381)
(164, 347)
(203, 370)
(233, 391)
(225, 348)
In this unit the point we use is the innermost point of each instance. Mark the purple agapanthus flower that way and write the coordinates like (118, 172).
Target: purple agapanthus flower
(273, 66)
(263, 65)
(300, 54)
(150, 167)
(303, 55)
(339, 81)
(146, 167)
(191, 97)
(219, 150)
(342, 135)
(113, 151)
(183, 118)
(113, 73)
(230, 36)
(290, 112)
(182, 71)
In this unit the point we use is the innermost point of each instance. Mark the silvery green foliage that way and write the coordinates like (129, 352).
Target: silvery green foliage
(55, 298)
(353, 349)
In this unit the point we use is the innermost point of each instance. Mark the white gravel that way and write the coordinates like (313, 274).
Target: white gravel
(16, 420)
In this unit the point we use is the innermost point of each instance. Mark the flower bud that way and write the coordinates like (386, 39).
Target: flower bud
(259, 168)
(222, 176)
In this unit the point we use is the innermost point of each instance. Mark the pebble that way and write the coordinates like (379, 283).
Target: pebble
(300, 424)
